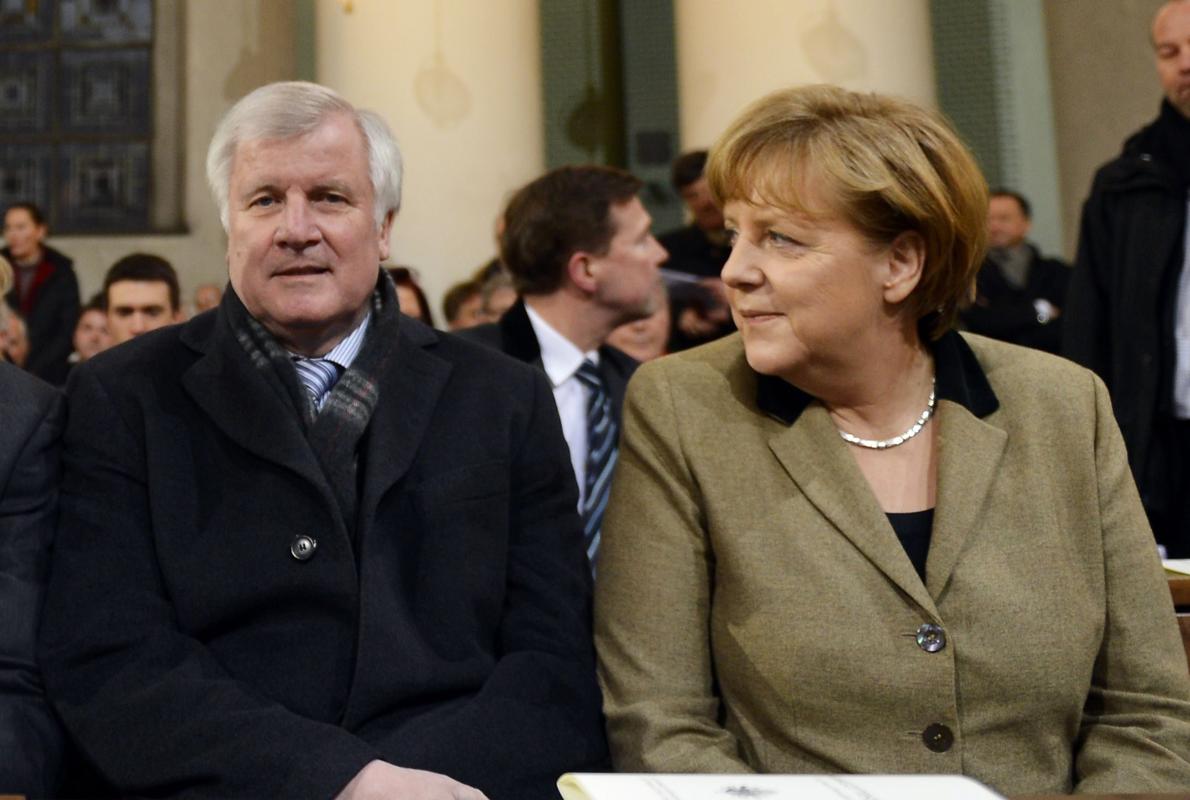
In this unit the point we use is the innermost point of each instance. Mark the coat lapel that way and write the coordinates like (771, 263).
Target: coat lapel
(825, 472)
(518, 338)
(242, 404)
(616, 367)
(409, 391)
(969, 454)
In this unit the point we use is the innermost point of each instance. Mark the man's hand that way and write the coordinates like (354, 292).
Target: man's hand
(698, 321)
(380, 780)
(715, 288)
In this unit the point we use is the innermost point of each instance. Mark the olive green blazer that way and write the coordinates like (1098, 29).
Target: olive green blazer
(756, 612)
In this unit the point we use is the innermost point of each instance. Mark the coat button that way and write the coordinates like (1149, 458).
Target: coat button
(938, 738)
(931, 637)
(302, 548)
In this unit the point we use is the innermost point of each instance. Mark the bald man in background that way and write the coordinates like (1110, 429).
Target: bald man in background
(1128, 309)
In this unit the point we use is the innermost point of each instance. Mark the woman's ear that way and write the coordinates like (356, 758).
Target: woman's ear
(906, 260)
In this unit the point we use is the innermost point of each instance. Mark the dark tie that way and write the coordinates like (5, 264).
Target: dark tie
(601, 455)
(318, 376)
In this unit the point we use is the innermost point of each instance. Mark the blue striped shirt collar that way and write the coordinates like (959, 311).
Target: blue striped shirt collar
(346, 351)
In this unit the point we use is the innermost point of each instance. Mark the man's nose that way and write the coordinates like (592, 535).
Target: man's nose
(660, 254)
(297, 227)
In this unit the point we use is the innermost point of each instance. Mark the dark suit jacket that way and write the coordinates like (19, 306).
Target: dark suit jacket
(191, 654)
(1005, 312)
(31, 419)
(513, 334)
(50, 311)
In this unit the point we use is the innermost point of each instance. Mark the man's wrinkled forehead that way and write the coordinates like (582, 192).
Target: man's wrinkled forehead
(268, 139)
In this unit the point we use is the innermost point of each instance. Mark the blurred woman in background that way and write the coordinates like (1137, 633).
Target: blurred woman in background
(410, 296)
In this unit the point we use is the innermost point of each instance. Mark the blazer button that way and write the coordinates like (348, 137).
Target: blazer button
(931, 637)
(938, 738)
(302, 548)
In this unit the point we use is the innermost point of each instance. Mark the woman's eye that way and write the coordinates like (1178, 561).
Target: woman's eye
(780, 238)
(732, 235)
(263, 202)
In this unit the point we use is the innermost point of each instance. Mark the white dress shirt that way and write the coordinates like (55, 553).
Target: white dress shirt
(561, 359)
(1181, 334)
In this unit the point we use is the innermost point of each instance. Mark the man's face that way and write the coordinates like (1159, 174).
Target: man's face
(303, 248)
(22, 235)
(206, 297)
(697, 196)
(90, 334)
(627, 274)
(1171, 42)
(1007, 224)
(136, 307)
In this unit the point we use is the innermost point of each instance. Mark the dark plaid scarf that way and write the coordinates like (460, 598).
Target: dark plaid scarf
(335, 433)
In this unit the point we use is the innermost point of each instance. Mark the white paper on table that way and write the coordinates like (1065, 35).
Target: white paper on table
(595, 786)
(1181, 565)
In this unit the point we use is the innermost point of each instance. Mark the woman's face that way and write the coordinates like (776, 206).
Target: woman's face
(645, 339)
(407, 299)
(803, 291)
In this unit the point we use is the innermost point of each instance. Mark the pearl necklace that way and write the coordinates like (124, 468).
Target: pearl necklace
(884, 444)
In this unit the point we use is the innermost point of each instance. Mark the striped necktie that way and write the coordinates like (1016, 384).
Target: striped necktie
(601, 455)
(318, 375)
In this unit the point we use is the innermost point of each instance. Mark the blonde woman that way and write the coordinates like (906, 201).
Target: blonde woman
(850, 539)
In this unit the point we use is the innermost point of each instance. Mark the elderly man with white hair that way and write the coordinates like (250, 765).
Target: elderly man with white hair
(309, 547)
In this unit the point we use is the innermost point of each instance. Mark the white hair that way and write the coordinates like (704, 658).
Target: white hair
(290, 109)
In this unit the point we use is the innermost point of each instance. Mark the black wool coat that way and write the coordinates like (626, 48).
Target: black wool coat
(1123, 292)
(191, 653)
(31, 419)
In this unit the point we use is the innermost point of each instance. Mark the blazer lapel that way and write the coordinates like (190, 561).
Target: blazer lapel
(242, 404)
(409, 391)
(819, 463)
(969, 454)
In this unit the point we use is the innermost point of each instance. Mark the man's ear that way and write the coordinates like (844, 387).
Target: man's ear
(580, 270)
(906, 260)
(386, 229)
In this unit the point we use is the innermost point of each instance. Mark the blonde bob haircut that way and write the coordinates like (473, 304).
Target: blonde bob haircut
(884, 165)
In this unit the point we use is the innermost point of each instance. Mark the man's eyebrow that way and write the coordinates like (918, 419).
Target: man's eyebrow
(338, 187)
(257, 189)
